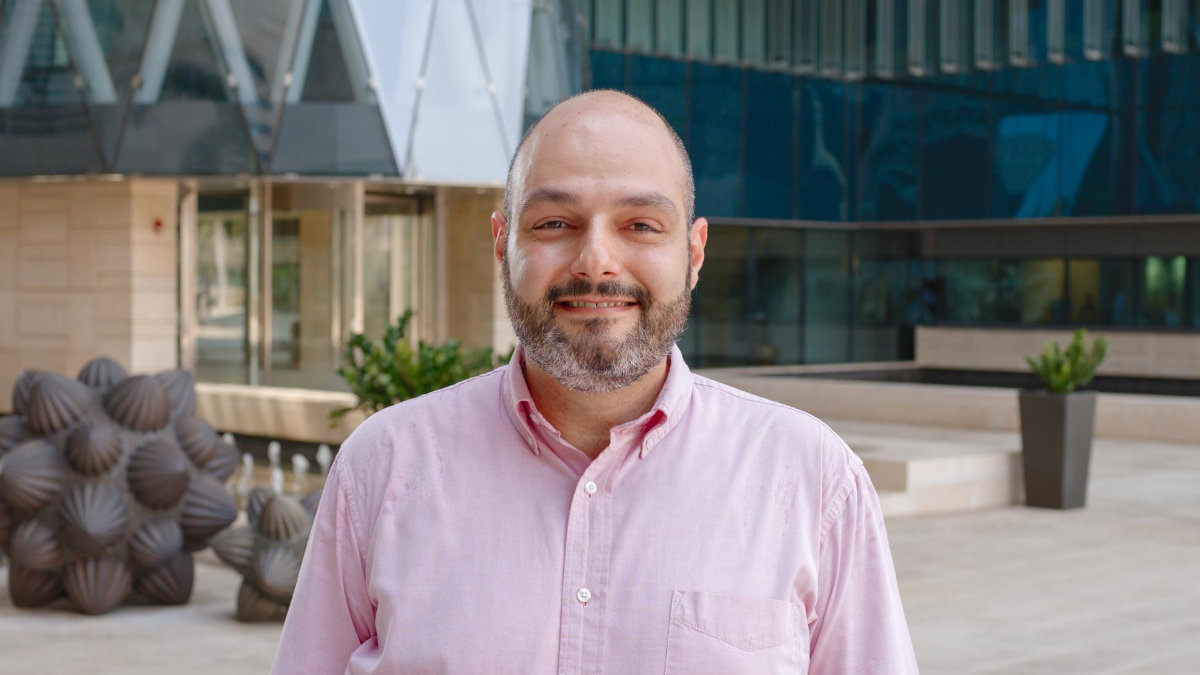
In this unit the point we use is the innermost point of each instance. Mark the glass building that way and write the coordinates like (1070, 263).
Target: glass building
(872, 165)
(235, 186)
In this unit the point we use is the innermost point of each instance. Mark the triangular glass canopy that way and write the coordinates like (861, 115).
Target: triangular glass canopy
(105, 39)
(44, 126)
(330, 124)
(185, 117)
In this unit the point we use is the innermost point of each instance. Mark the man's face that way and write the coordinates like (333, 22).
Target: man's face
(598, 267)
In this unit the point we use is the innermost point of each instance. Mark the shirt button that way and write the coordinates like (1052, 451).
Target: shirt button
(590, 488)
(583, 595)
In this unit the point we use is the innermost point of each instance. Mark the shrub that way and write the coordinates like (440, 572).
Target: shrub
(391, 371)
(1063, 371)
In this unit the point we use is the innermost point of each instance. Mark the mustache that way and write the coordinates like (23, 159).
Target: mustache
(606, 289)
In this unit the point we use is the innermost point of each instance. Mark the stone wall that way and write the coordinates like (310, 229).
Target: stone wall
(84, 272)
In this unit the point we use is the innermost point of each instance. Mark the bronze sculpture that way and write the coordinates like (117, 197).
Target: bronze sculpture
(108, 483)
(268, 551)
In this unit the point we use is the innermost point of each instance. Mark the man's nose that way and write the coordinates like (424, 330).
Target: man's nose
(597, 259)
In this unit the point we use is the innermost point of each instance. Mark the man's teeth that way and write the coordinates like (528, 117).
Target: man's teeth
(578, 303)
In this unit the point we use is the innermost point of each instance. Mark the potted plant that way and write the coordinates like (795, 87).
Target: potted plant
(1057, 422)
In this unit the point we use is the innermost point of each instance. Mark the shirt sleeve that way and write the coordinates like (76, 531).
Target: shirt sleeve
(331, 614)
(860, 625)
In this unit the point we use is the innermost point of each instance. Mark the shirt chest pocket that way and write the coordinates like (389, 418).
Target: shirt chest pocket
(732, 634)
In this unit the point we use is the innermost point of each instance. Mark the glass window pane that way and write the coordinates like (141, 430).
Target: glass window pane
(668, 29)
(608, 22)
(1168, 173)
(770, 128)
(44, 126)
(754, 30)
(954, 36)
(954, 172)
(106, 38)
(827, 296)
(883, 291)
(184, 118)
(779, 31)
(887, 176)
(889, 41)
(699, 28)
(1164, 280)
(725, 30)
(807, 34)
(722, 306)
(855, 50)
(716, 108)
(266, 37)
(222, 250)
(303, 269)
(822, 180)
(662, 83)
(831, 64)
(775, 289)
(990, 34)
(331, 124)
(377, 274)
(1040, 283)
(639, 26)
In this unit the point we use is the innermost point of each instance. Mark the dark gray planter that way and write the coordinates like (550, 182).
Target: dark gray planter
(1056, 447)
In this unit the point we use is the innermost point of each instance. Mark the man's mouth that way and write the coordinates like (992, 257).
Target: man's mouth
(595, 305)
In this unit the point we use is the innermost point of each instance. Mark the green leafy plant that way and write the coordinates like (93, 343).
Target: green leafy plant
(384, 373)
(1063, 371)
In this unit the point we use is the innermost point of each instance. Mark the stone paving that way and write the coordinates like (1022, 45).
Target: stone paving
(1113, 588)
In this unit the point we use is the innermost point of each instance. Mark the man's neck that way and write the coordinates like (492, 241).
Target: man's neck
(584, 419)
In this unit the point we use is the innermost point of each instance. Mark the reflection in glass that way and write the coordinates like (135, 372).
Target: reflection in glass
(668, 28)
(716, 107)
(44, 126)
(639, 26)
(699, 28)
(184, 118)
(303, 304)
(331, 122)
(827, 296)
(222, 246)
(725, 30)
(1164, 280)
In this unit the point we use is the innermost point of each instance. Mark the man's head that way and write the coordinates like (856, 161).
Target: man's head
(597, 244)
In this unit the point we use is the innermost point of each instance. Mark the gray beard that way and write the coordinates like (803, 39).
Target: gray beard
(593, 361)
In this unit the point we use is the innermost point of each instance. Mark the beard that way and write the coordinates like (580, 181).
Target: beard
(593, 360)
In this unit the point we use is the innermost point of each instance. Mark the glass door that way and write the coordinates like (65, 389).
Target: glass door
(221, 302)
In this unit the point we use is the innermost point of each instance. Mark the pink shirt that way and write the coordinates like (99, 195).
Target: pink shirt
(718, 533)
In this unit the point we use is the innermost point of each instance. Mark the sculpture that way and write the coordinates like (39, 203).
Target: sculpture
(108, 483)
(268, 551)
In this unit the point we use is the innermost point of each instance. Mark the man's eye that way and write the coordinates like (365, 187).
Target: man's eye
(551, 225)
(642, 227)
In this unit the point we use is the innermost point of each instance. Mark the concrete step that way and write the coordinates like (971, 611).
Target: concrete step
(924, 477)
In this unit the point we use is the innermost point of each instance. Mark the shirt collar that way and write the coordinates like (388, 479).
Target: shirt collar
(668, 409)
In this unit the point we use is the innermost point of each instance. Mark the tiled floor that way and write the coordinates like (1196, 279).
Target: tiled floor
(1113, 588)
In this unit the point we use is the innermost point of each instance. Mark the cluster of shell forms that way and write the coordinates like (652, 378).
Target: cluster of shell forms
(268, 551)
(108, 483)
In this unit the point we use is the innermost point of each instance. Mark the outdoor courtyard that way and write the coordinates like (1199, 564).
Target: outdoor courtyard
(1108, 589)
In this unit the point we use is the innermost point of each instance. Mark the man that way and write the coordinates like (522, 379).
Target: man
(593, 506)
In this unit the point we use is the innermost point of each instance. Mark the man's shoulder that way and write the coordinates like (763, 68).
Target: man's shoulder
(790, 429)
(466, 404)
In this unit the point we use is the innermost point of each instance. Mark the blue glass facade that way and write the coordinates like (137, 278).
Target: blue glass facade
(892, 144)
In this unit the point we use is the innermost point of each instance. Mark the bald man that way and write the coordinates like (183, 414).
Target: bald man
(593, 506)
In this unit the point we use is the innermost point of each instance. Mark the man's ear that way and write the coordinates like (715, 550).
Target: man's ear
(499, 238)
(697, 240)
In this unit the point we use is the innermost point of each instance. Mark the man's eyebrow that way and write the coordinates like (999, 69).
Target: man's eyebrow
(546, 195)
(651, 200)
